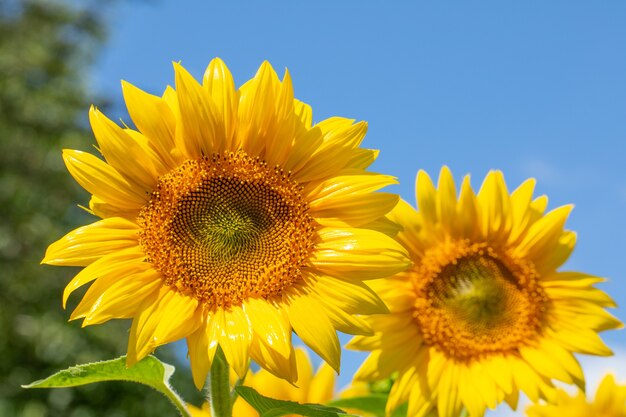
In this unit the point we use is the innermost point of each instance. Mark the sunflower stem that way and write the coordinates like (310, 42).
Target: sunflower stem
(179, 404)
(220, 386)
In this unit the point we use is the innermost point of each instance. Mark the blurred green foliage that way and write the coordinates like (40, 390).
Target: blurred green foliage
(46, 48)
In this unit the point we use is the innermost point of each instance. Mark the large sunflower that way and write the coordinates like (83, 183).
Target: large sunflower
(483, 313)
(610, 401)
(229, 218)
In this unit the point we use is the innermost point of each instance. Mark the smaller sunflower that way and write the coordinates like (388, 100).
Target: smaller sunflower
(483, 314)
(610, 401)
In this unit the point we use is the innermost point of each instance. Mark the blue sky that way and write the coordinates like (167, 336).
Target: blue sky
(535, 89)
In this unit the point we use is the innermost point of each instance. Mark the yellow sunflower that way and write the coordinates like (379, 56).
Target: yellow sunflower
(228, 218)
(610, 401)
(483, 313)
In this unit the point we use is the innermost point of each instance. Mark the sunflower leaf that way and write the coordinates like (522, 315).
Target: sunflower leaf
(150, 371)
(372, 404)
(270, 407)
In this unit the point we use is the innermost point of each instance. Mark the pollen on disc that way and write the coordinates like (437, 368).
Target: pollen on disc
(474, 301)
(227, 227)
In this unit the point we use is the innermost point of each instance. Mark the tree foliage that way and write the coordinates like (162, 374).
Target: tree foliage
(46, 48)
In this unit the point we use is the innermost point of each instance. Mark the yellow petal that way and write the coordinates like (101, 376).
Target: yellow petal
(349, 183)
(154, 119)
(234, 335)
(115, 263)
(101, 180)
(387, 340)
(357, 210)
(401, 389)
(318, 334)
(495, 204)
(549, 262)
(342, 320)
(304, 113)
(468, 391)
(446, 199)
(528, 380)
(84, 245)
(272, 361)
(219, 83)
(468, 221)
(270, 326)
(341, 138)
(201, 131)
(117, 296)
(420, 405)
(354, 297)
(322, 386)
(497, 368)
(426, 198)
(448, 403)
(358, 254)
(279, 142)
(544, 234)
(410, 221)
(362, 158)
(167, 318)
(582, 341)
(593, 295)
(397, 292)
(202, 347)
(521, 210)
(256, 112)
(123, 152)
(543, 363)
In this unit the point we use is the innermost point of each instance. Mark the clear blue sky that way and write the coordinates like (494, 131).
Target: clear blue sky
(535, 89)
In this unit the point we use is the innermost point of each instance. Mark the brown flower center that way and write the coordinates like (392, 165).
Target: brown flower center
(226, 228)
(472, 301)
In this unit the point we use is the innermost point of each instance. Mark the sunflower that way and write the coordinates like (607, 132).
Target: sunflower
(228, 217)
(483, 314)
(610, 401)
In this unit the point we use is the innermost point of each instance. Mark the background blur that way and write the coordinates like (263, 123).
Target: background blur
(533, 89)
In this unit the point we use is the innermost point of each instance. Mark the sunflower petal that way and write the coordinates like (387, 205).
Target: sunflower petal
(154, 118)
(87, 244)
(200, 131)
(220, 85)
(234, 335)
(168, 317)
(358, 254)
(123, 152)
(115, 263)
(101, 180)
(318, 334)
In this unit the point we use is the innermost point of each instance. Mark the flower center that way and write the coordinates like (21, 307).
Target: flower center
(226, 228)
(472, 301)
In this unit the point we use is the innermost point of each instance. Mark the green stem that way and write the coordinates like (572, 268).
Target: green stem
(220, 386)
(178, 402)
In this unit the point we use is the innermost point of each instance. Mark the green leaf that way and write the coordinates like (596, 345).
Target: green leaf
(269, 407)
(150, 371)
(372, 404)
